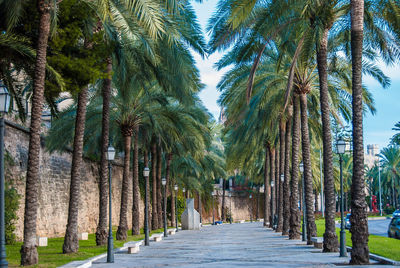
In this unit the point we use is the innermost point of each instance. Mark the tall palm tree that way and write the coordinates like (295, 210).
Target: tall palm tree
(358, 218)
(71, 243)
(266, 187)
(303, 88)
(294, 232)
(286, 183)
(29, 255)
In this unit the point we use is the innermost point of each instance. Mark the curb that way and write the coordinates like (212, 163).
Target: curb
(88, 263)
(370, 219)
(380, 259)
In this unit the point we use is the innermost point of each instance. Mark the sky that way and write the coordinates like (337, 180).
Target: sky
(377, 128)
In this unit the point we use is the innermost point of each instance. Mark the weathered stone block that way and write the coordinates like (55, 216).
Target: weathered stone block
(133, 249)
(190, 217)
(157, 238)
(41, 241)
(171, 231)
(83, 236)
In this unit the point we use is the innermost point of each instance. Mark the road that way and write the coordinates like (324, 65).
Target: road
(378, 227)
(235, 245)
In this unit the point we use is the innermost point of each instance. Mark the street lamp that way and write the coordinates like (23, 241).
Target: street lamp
(341, 149)
(304, 226)
(212, 198)
(251, 212)
(164, 183)
(110, 157)
(176, 207)
(230, 207)
(272, 204)
(4, 106)
(146, 173)
(379, 181)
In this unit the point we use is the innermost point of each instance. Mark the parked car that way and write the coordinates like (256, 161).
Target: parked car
(394, 228)
(347, 221)
(396, 213)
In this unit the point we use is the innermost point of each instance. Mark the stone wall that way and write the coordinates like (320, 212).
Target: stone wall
(54, 187)
(240, 204)
(54, 190)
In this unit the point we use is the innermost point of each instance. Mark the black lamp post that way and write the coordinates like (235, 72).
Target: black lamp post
(176, 207)
(341, 149)
(213, 217)
(272, 204)
(304, 226)
(251, 209)
(146, 173)
(4, 106)
(164, 183)
(110, 253)
(230, 207)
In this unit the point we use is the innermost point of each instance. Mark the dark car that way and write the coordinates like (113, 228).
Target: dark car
(396, 213)
(394, 228)
(347, 221)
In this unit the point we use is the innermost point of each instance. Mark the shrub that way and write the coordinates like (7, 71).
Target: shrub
(11, 206)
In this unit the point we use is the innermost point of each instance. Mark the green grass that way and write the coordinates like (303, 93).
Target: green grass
(379, 245)
(51, 256)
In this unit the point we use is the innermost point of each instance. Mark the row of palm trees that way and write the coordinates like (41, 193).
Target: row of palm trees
(297, 69)
(129, 69)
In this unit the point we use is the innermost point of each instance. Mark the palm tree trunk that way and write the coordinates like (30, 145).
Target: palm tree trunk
(306, 149)
(101, 231)
(135, 185)
(200, 208)
(266, 187)
(29, 255)
(173, 219)
(122, 232)
(316, 206)
(154, 219)
(282, 133)
(358, 218)
(277, 196)
(258, 204)
(71, 242)
(159, 188)
(286, 187)
(223, 201)
(330, 238)
(294, 232)
(169, 184)
(272, 175)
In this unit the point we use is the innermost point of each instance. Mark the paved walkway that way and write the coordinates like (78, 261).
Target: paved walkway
(236, 245)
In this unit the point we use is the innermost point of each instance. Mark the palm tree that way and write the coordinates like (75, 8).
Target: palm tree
(358, 219)
(71, 243)
(294, 232)
(391, 169)
(396, 137)
(154, 217)
(286, 184)
(303, 89)
(135, 184)
(266, 186)
(29, 255)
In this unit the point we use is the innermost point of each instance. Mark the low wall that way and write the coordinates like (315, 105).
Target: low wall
(55, 171)
(240, 204)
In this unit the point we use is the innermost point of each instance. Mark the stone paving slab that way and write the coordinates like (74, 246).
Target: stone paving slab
(236, 245)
